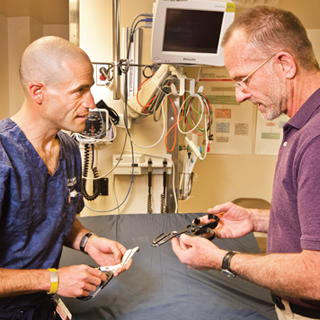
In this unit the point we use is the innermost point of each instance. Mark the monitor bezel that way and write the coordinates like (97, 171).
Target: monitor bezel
(158, 55)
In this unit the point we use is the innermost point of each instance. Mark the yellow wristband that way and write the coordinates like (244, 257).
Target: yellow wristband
(54, 281)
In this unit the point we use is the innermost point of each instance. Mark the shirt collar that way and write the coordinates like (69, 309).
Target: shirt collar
(306, 111)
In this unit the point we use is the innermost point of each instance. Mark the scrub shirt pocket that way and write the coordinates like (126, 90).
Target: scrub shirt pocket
(74, 203)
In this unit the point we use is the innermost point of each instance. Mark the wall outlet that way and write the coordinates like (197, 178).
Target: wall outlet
(104, 187)
(101, 79)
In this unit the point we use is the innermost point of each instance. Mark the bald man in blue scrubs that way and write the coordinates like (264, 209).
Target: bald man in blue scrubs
(40, 187)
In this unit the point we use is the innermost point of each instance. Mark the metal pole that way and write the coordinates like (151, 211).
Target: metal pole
(175, 158)
(74, 21)
(116, 49)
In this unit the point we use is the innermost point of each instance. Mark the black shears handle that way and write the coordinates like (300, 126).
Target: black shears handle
(207, 228)
(109, 274)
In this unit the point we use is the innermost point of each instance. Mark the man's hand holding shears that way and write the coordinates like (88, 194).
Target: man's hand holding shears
(107, 252)
(81, 280)
(199, 253)
(111, 270)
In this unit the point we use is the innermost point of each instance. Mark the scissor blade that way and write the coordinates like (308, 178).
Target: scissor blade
(126, 257)
(165, 237)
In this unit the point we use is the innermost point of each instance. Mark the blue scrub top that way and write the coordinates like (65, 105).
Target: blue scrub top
(37, 211)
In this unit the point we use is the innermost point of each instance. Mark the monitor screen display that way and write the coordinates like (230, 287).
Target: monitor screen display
(192, 30)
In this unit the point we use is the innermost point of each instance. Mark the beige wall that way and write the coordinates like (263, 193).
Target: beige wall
(222, 178)
(306, 10)
(19, 37)
(4, 70)
(16, 33)
(58, 30)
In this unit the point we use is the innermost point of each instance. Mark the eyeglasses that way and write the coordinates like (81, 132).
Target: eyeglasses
(242, 84)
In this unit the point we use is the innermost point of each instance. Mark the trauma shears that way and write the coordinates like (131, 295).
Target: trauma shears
(109, 271)
(193, 229)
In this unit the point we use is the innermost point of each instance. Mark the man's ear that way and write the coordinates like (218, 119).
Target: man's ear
(36, 91)
(287, 63)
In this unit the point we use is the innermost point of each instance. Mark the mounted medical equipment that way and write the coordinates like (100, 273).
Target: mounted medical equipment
(190, 32)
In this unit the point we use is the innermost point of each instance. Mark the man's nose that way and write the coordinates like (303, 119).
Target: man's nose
(242, 95)
(89, 103)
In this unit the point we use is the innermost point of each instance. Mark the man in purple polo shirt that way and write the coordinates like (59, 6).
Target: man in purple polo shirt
(270, 58)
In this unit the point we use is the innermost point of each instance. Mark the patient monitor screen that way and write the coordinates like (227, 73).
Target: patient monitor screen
(192, 30)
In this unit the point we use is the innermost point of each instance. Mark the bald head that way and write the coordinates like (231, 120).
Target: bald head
(43, 60)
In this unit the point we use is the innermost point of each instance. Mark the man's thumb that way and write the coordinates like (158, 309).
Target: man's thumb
(186, 239)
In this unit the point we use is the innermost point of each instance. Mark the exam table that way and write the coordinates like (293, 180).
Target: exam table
(158, 285)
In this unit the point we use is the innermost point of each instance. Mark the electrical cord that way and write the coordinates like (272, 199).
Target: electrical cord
(156, 143)
(115, 166)
(164, 90)
(86, 140)
(191, 118)
(152, 107)
(127, 195)
(150, 15)
(175, 129)
(124, 64)
(122, 151)
(131, 182)
(186, 112)
(154, 104)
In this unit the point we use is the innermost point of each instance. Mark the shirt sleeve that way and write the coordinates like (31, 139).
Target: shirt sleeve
(308, 195)
(4, 177)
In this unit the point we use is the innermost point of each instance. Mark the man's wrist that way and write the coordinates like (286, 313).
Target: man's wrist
(260, 219)
(225, 268)
(84, 241)
(54, 281)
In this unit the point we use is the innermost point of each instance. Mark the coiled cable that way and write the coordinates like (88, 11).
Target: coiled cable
(96, 183)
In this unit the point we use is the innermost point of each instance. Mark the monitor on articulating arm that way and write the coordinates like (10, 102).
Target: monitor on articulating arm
(184, 32)
(190, 32)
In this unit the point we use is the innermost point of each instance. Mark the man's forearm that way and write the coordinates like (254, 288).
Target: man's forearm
(16, 282)
(293, 275)
(75, 235)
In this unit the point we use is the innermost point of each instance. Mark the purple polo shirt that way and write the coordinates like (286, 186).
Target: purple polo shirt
(295, 207)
